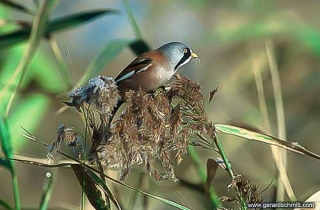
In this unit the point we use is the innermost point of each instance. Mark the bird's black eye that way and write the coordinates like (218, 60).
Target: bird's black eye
(185, 58)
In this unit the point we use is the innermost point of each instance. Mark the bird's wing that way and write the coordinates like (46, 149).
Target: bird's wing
(138, 65)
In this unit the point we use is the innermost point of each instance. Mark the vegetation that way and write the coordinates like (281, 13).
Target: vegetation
(166, 133)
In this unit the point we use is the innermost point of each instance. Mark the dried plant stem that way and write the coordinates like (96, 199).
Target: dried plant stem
(266, 121)
(122, 183)
(83, 195)
(279, 155)
(257, 61)
(87, 131)
(228, 168)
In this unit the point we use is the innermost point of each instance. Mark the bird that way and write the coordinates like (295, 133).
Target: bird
(154, 68)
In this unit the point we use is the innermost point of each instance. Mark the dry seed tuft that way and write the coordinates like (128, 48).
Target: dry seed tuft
(154, 127)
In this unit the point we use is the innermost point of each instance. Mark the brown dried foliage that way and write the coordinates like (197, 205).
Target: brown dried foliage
(154, 127)
(68, 135)
(248, 192)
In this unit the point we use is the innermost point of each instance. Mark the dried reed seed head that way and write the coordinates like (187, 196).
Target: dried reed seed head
(250, 192)
(139, 132)
(101, 92)
(186, 89)
(153, 127)
(68, 135)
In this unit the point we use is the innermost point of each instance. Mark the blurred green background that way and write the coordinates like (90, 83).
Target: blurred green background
(230, 37)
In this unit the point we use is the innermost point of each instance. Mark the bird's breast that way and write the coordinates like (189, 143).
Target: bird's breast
(162, 75)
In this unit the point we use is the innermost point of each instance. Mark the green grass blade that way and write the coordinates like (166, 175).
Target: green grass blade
(5, 138)
(42, 69)
(15, 37)
(90, 188)
(76, 20)
(268, 139)
(132, 19)
(35, 38)
(17, 6)
(139, 46)
(104, 57)
(5, 205)
(6, 145)
(201, 172)
(47, 190)
(228, 169)
(5, 163)
(11, 38)
(105, 188)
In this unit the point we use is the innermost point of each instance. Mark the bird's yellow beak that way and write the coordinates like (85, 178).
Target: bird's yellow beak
(193, 55)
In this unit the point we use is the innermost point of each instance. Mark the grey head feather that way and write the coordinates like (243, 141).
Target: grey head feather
(173, 51)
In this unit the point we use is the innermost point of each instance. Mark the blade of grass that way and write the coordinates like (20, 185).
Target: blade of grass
(132, 19)
(47, 190)
(11, 38)
(257, 61)
(34, 162)
(139, 47)
(6, 145)
(42, 69)
(17, 6)
(264, 138)
(214, 198)
(5, 205)
(41, 162)
(276, 90)
(212, 167)
(36, 33)
(90, 188)
(282, 179)
(228, 169)
(104, 57)
(59, 59)
(5, 163)
(105, 188)
(169, 202)
(83, 195)
(55, 25)
(76, 19)
(280, 155)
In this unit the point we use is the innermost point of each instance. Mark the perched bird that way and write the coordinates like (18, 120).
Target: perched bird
(154, 68)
